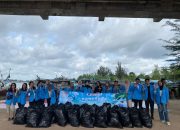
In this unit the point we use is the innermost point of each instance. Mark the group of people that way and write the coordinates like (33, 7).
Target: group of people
(135, 92)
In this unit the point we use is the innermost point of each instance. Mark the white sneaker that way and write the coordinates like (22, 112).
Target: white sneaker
(163, 121)
(168, 123)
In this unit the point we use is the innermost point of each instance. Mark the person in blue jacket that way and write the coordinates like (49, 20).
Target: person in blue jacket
(32, 94)
(149, 96)
(107, 88)
(87, 88)
(22, 94)
(118, 88)
(162, 99)
(50, 94)
(98, 88)
(42, 93)
(128, 93)
(79, 86)
(11, 100)
(136, 91)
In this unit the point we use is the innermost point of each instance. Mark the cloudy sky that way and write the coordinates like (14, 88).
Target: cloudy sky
(71, 46)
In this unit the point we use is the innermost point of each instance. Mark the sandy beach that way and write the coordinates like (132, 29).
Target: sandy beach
(174, 113)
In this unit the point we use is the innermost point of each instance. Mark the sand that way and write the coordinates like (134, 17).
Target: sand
(174, 114)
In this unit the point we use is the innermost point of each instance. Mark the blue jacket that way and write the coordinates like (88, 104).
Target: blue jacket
(32, 95)
(53, 97)
(104, 90)
(10, 98)
(120, 89)
(42, 92)
(136, 92)
(68, 89)
(164, 98)
(86, 90)
(151, 92)
(22, 97)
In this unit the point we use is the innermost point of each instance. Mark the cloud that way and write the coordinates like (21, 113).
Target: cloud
(71, 46)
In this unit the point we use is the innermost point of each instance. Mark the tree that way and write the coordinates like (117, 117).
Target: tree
(156, 73)
(165, 73)
(103, 71)
(132, 76)
(173, 44)
(141, 75)
(120, 71)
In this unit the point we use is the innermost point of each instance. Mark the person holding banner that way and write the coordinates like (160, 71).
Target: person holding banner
(107, 88)
(98, 88)
(70, 88)
(87, 88)
(136, 91)
(79, 86)
(118, 88)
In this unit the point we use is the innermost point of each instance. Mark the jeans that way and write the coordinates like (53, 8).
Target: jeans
(163, 112)
(49, 102)
(137, 102)
(151, 104)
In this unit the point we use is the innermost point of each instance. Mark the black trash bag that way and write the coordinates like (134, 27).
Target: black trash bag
(87, 115)
(134, 116)
(33, 117)
(124, 117)
(61, 115)
(145, 118)
(20, 116)
(67, 106)
(113, 118)
(101, 117)
(46, 118)
(73, 115)
(107, 105)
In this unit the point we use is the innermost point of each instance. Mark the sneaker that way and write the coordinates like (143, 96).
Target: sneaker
(163, 121)
(9, 119)
(168, 123)
(12, 118)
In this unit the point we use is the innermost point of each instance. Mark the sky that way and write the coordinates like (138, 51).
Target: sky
(71, 46)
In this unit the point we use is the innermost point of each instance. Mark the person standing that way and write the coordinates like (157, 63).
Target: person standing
(11, 100)
(162, 100)
(32, 94)
(107, 88)
(98, 88)
(128, 94)
(149, 96)
(41, 93)
(136, 91)
(22, 94)
(117, 88)
(50, 94)
(86, 88)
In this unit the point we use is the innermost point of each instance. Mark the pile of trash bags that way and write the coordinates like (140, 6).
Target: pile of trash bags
(85, 115)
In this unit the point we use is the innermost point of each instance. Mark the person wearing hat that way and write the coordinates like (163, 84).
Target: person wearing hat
(149, 96)
(136, 91)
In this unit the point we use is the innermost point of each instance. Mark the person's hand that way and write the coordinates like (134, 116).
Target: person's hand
(135, 85)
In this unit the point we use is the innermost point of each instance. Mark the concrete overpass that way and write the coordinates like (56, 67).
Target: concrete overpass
(156, 9)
